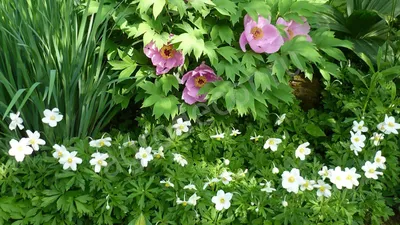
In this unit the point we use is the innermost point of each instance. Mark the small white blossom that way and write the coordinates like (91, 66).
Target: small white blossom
(355, 149)
(280, 120)
(19, 149)
(381, 127)
(211, 182)
(359, 126)
(129, 143)
(145, 156)
(227, 162)
(379, 160)
(16, 121)
(391, 126)
(34, 140)
(255, 138)
(70, 160)
(52, 117)
(180, 159)
(267, 187)
(351, 178)
(272, 143)
(357, 139)
(100, 142)
(190, 187)
(376, 138)
(235, 132)
(193, 199)
(181, 126)
(98, 160)
(323, 189)
(302, 151)
(222, 200)
(324, 172)
(292, 180)
(307, 185)
(159, 153)
(181, 202)
(167, 183)
(226, 177)
(60, 151)
(275, 170)
(370, 170)
(218, 136)
(337, 177)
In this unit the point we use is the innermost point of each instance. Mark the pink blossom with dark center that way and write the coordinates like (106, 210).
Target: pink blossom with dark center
(196, 79)
(262, 36)
(164, 59)
(293, 28)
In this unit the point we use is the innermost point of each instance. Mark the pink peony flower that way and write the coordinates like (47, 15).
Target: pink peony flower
(195, 80)
(262, 36)
(293, 29)
(164, 59)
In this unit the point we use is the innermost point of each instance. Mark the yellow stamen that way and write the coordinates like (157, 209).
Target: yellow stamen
(257, 33)
(200, 81)
(167, 51)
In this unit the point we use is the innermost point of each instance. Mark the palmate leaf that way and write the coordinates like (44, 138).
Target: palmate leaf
(189, 43)
(225, 7)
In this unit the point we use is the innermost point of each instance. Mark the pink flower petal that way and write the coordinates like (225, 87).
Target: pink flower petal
(243, 42)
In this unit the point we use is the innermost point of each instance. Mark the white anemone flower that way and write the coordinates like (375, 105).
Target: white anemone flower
(338, 177)
(19, 149)
(181, 126)
(190, 187)
(98, 160)
(16, 121)
(210, 182)
(159, 153)
(145, 156)
(280, 120)
(101, 142)
(235, 132)
(379, 160)
(376, 138)
(370, 170)
(272, 143)
(255, 137)
(323, 189)
(292, 180)
(193, 199)
(359, 126)
(267, 187)
(381, 127)
(324, 172)
(218, 136)
(302, 151)
(391, 126)
(222, 200)
(129, 143)
(180, 159)
(34, 140)
(70, 160)
(351, 177)
(167, 183)
(226, 177)
(355, 149)
(52, 117)
(307, 185)
(357, 139)
(60, 151)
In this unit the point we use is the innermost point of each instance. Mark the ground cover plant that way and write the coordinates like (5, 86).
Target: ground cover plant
(197, 112)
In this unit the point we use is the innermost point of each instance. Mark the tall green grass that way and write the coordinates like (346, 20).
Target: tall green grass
(51, 55)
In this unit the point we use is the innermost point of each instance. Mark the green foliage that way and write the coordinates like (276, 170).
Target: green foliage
(209, 31)
(52, 56)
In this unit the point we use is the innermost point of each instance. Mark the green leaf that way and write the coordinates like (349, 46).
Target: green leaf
(151, 100)
(141, 220)
(262, 78)
(228, 53)
(219, 91)
(225, 7)
(158, 7)
(169, 81)
(13, 101)
(256, 7)
(314, 130)
(166, 107)
(284, 6)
